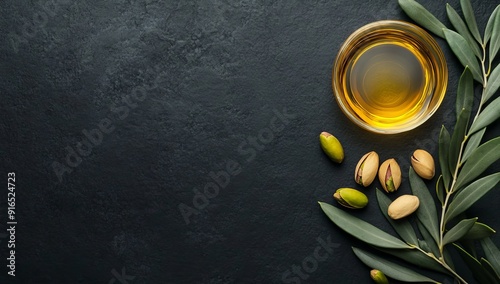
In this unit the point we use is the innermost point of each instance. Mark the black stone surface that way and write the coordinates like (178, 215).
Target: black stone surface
(172, 93)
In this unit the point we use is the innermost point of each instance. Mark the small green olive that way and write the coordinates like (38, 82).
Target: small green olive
(350, 198)
(378, 276)
(332, 147)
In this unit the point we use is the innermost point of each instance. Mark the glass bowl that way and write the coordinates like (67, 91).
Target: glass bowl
(389, 77)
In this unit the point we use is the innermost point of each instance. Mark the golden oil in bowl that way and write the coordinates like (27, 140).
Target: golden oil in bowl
(389, 77)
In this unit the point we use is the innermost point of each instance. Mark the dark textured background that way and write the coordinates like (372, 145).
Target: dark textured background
(210, 76)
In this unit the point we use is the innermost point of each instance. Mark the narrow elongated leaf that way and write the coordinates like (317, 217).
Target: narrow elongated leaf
(464, 53)
(390, 269)
(474, 265)
(462, 29)
(444, 147)
(423, 17)
(492, 253)
(489, 25)
(479, 231)
(470, 19)
(428, 240)
(447, 258)
(488, 267)
(458, 231)
(472, 144)
(426, 211)
(440, 191)
(493, 84)
(418, 258)
(360, 229)
(489, 115)
(495, 37)
(465, 92)
(423, 244)
(402, 227)
(469, 246)
(469, 195)
(479, 161)
(457, 137)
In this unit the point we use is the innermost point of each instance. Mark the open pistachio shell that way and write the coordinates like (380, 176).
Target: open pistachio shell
(366, 169)
(389, 175)
(423, 164)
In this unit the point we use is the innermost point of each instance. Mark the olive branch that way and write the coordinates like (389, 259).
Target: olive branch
(463, 158)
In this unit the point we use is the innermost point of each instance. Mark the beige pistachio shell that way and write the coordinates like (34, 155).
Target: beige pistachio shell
(378, 277)
(423, 164)
(350, 198)
(332, 147)
(389, 175)
(366, 169)
(403, 206)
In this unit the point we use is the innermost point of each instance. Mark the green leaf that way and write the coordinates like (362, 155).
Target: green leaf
(423, 17)
(488, 267)
(469, 195)
(360, 229)
(426, 211)
(474, 265)
(457, 137)
(479, 161)
(493, 84)
(440, 190)
(402, 227)
(487, 116)
(390, 269)
(489, 25)
(416, 257)
(465, 92)
(444, 147)
(472, 144)
(428, 240)
(464, 53)
(447, 258)
(458, 231)
(470, 19)
(469, 246)
(492, 253)
(495, 37)
(479, 231)
(462, 29)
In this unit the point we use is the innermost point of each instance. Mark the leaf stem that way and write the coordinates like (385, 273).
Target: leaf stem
(442, 225)
(443, 264)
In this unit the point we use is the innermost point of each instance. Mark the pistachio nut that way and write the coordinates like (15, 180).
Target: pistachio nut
(332, 147)
(366, 169)
(403, 206)
(378, 276)
(350, 198)
(423, 164)
(389, 175)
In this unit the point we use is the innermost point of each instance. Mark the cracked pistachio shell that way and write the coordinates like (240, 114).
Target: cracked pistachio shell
(350, 198)
(423, 164)
(403, 206)
(332, 147)
(366, 169)
(389, 175)
(378, 276)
